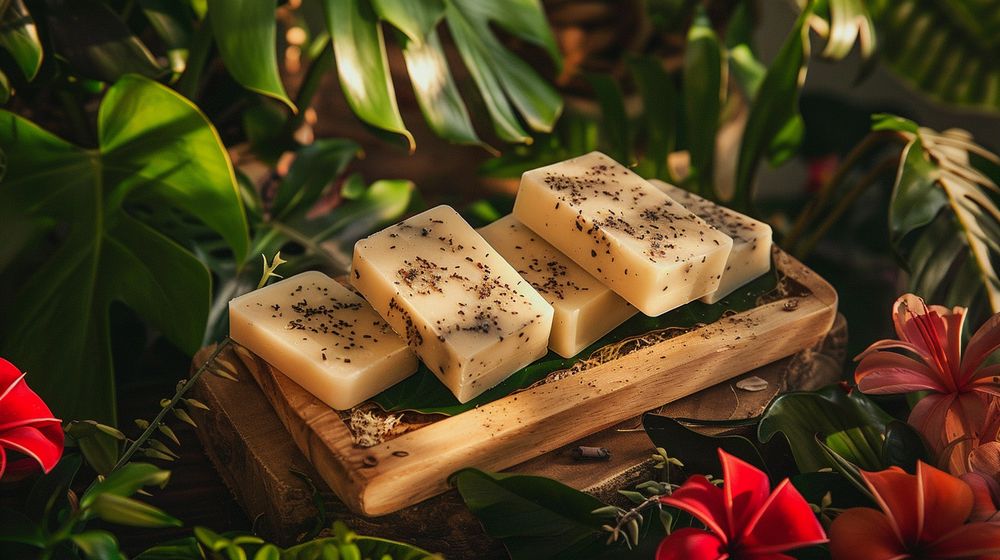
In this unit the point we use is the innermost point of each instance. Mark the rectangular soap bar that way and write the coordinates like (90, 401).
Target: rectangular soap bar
(323, 336)
(624, 231)
(751, 254)
(461, 307)
(585, 309)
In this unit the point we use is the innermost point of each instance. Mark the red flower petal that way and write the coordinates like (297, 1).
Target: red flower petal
(704, 501)
(897, 493)
(946, 502)
(985, 496)
(864, 534)
(40, 446)
(981, 345)
(785, 521)
(746, 489)
(889, 373)
(889, 344)
(968, 541)
(691, 544)
(928, 418)
(17, 401)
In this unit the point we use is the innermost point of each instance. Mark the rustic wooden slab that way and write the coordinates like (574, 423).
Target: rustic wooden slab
(253, 454)
(414, 466)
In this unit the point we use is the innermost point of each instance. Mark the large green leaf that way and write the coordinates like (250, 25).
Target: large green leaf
(535, 517)
(96, 42)
(245, 34)
(847, 421)
(423, 392)
(502, 78)
(157, 149)
(774, 109)
(415, 18)
(949, 50)
(438, 96)
(362, 64)
(19, 37)
(702, 101)
(849, 23)
(943, 221)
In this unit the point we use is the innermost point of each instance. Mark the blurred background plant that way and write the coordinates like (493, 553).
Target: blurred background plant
(154, 150)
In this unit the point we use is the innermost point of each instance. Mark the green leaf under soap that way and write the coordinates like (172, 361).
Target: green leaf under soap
(423, 392)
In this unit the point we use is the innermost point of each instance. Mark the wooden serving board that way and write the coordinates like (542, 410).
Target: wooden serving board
(415, 465)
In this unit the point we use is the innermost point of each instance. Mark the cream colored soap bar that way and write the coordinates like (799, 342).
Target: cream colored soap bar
(323, 336)
(585, 309)
(624, 231)
(464, 310)
(751, 254)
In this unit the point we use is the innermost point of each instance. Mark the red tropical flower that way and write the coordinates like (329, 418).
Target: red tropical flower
(961, 390)
(981, 468)
(744, 518)
(26, 426)
(923, 516)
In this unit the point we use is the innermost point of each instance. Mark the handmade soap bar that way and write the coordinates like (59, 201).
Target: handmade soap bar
(751, 254)
(585, 309)
(323, 336)
(464, 310)
(624, 231)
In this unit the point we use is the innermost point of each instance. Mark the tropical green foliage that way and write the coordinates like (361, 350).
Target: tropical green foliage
(155, 149)
(949, 50)
(943, 219)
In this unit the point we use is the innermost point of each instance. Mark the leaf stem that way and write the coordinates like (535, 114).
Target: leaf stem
(845, 202)
(310, 84)
(870, 142)
(181, 390)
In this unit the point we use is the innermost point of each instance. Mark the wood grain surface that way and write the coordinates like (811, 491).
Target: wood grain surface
(267, 474)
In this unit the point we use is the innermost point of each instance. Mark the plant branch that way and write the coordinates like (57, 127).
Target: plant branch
(843, 204)
(870, 143)
(181, 390)
(310, 84)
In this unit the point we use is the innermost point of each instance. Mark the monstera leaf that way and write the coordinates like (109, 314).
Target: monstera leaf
(943, 220)
(155, 149)
(948, 50)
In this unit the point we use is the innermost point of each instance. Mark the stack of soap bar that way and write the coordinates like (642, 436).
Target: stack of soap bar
(462, 308)
(751, 254)
(585, 309)
(624, 231)
(323, 336)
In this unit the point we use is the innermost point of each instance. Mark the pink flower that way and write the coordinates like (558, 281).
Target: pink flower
(26, 426)
(923, 516)
(961, 390)
(744, 518)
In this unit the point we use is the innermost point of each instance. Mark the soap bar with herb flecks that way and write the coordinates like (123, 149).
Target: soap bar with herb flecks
(625, 232)
(751, 254)
(461, 307)
(323, 336)
(585, 309)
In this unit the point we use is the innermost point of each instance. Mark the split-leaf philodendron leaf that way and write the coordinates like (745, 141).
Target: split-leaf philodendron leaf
(155, 148)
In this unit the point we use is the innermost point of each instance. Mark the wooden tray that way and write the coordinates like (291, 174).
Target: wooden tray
(415, 466)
